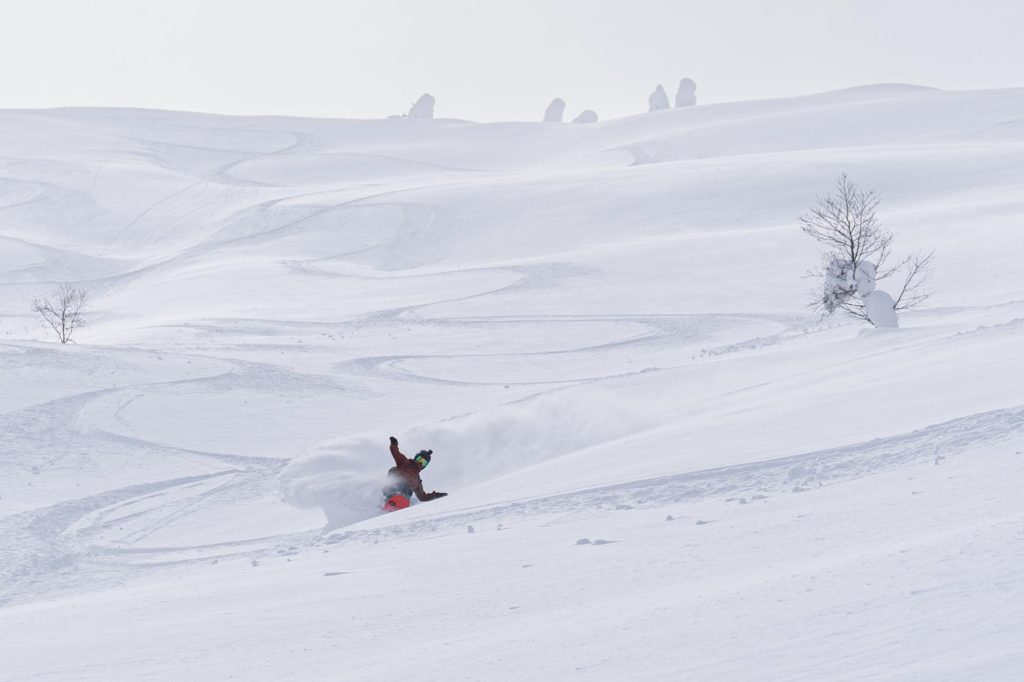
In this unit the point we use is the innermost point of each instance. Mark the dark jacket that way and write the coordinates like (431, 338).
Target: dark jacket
(404, 478)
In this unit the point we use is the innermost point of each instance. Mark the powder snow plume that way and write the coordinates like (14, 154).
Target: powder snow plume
(484, 445)
(345, 478)
(342, 480)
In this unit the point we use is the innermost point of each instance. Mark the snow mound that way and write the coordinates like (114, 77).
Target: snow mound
(586, 116)
(686, 95)
(423, 107)
(555, 111)
(881, 309)
(658, 100)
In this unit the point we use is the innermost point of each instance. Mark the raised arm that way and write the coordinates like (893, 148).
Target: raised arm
(424, 496)
(399, 457)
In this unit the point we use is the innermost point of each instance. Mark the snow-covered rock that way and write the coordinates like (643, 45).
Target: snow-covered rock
(586, 116)
(555, 111)
(686, 95)
(658, 100)
(423, 107)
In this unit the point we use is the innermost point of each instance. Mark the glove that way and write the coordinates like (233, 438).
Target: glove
(440, 494)
(430, 452)
(394, 441)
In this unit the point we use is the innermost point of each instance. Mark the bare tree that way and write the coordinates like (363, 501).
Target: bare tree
(64, 312)
(856, 253)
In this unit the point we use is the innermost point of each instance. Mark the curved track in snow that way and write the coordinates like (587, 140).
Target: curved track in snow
(592, 326)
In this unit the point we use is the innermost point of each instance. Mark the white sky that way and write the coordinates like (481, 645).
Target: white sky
(488, 60)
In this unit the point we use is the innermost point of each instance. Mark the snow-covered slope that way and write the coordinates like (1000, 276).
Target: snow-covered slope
(601, 332)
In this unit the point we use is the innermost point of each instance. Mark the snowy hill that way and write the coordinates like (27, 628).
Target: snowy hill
(659, 463)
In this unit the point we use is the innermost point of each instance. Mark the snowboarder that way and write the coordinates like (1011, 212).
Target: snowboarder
(404, 479)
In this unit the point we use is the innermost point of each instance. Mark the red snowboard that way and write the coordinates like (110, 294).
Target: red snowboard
(396, 502)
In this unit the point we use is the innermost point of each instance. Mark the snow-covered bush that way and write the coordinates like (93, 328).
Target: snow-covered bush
(586, 116)
(855, 254)
(658, 100)
(555, 111)
(423, 107)
(686, 95)
(844, 283)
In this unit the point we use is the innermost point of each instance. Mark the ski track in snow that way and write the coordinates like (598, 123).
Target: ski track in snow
(65, 547)
(53, 547)
(437, 274)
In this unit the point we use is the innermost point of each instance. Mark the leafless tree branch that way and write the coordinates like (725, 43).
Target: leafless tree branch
(918, 267)
(63, 310)
(846, 226)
